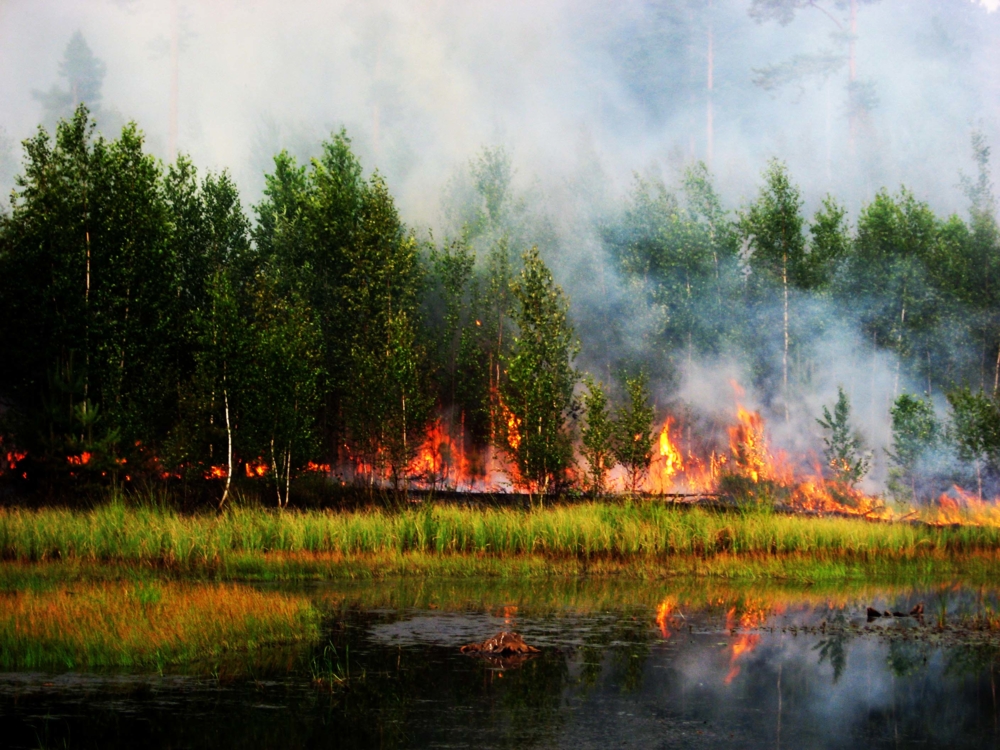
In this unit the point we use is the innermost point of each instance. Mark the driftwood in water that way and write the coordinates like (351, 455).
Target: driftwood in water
(502, 644)
(917, 611)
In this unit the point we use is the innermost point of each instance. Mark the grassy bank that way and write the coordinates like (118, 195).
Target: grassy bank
(149, 624)
(646, 538)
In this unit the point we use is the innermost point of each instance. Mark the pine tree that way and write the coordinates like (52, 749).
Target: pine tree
(844, 446)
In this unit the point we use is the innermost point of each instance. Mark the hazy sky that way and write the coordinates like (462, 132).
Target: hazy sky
(570, 86)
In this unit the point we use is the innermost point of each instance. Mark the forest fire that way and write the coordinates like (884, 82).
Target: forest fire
(81, 460)
(255, 469)
(960, 507)
(439, 461)
(669, 461)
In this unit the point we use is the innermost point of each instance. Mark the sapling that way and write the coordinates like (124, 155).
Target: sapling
(633, 444)
(597, 437)
(844, 452)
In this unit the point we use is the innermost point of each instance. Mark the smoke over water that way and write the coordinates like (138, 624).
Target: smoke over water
(582, 97)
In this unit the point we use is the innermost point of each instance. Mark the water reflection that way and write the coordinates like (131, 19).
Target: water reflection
(621, 665)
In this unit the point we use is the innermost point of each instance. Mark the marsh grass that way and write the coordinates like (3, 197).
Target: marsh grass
(148, 624)
(157, 534)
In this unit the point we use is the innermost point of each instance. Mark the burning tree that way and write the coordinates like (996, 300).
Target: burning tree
(537, 393)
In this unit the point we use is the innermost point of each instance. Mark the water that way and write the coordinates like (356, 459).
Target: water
(749, 668)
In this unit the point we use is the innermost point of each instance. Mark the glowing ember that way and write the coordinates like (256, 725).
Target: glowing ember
(216, 472)
(82, 460)
(321, 468)
(15, 457)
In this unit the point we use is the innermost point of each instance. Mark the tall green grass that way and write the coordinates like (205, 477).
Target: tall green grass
(587, 532)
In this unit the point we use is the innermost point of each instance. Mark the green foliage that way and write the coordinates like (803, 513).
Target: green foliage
(284, 393)
(975, 426)
(844, 446)
(633, 430)
(830, 245)
(679, 256)
(775, 225)
(536, 393)
(915, 431)
(87, 270)
(597, 436)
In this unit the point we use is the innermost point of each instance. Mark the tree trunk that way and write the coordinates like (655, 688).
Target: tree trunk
(784, 356)
(229, 436)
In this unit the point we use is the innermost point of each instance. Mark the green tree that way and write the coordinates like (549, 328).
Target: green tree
(633, 442)
(773, 229)
(975, 430)
(915, 431)
(89, 273)
(844, 446)
(283, 392)
(536, 394)
(830, 243)
(597, 437)
(886, 281)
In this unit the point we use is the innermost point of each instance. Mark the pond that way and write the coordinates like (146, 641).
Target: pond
(621, 663)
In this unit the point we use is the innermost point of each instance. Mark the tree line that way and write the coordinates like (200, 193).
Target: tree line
(154, 331)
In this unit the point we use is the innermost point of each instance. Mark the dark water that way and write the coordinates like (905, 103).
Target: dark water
(730, 670)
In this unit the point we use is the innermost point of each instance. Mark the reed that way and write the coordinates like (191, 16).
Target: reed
(587, 535)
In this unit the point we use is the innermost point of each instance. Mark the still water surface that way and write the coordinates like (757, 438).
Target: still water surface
(623, 666)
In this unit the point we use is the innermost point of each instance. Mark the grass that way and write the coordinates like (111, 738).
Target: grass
(159, 536)
(148, 624)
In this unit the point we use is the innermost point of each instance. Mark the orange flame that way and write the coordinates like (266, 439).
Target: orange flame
(82, 460)
(668, 462)
(216, 472)
(256, 468)
(438, 458)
